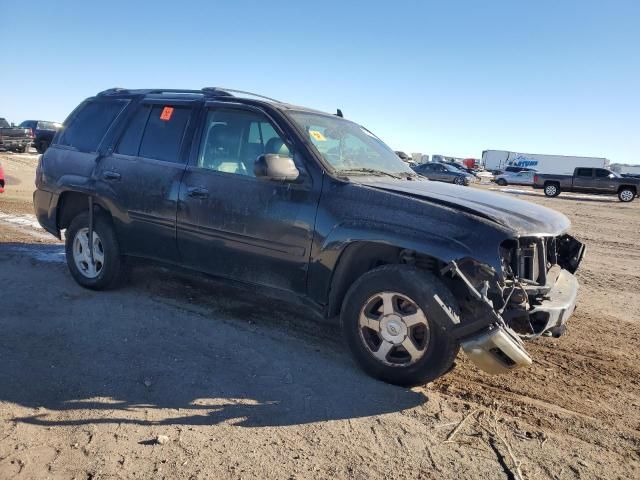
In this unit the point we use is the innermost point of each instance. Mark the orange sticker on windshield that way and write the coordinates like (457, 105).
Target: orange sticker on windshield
(166, 114)
(317, 135)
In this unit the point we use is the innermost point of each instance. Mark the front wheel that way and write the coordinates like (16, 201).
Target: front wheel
(459, 181)
(502, 182)
(626, 195)
(551, 190)
(94, 263)
(393, 324)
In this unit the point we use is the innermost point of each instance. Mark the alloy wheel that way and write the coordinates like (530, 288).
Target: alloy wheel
(82, 254)
(394, 329)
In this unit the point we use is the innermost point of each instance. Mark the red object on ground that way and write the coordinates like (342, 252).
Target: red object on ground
(1, 179)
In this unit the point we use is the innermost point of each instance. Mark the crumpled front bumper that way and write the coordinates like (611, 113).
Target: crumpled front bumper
(498, 349)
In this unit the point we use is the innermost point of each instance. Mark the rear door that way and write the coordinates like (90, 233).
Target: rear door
(231, 223)
(141, 176)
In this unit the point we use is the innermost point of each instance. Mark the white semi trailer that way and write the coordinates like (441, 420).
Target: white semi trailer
(494, 160)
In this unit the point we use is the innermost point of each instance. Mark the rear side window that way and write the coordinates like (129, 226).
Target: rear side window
(583, 172)
(163, 134)
(89, 125)
(130, 141)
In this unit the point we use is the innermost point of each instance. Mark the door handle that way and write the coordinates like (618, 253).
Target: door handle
(111, 175)
(198, 192)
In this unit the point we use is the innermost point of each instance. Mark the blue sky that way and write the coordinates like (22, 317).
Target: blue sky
(457, 77)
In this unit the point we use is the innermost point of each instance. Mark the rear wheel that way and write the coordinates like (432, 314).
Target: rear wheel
(626, 195)
(502, 182)
(93, 263)
(551, 190)
(392, 323)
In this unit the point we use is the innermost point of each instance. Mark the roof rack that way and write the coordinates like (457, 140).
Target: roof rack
(207, 92)
(230, 91)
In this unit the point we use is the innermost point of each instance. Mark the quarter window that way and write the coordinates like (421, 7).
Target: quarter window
(232, 140)
(89, 125)
(164, 131)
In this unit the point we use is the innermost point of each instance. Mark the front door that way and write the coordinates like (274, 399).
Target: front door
(231, 223)
(141, 177)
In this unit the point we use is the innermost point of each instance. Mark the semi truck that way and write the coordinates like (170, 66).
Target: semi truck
(499, 160)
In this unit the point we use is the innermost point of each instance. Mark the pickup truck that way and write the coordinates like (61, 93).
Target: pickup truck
(14, 138)
(42, 131)
(589, 180)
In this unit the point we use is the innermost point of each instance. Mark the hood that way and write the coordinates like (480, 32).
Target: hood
(520, 217)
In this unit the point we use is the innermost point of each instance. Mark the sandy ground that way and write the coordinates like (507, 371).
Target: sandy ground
(256, 389)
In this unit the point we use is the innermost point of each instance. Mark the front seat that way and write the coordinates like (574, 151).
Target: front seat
(276, 146)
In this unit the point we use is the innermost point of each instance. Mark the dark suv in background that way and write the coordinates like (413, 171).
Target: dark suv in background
(316, 208)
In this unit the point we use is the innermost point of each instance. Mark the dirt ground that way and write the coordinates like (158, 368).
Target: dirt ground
(239, 389)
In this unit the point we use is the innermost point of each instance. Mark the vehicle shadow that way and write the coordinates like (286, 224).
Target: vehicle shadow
(170, 349)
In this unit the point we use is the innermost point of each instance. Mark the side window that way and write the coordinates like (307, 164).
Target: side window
(583, 172)
(232, 140)
(130, 141)
(89, 125)
(163, 134)
(601, 173)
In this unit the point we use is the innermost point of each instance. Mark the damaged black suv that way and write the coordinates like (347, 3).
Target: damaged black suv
(313, 206)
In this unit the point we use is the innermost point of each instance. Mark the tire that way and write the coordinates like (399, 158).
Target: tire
(42, 147)
(502, 182)
(552, 190)
(459, 181)
(434, 347)
(109, 268)
(626, 195)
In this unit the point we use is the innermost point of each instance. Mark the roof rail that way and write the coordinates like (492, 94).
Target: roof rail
(229, 91)
(207, 92)
(112, 91)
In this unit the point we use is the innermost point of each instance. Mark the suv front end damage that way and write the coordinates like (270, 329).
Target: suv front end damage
(534, 295)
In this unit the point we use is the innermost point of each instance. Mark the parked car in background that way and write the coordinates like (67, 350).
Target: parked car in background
(316, 208)
(42, 131)
(405, 158)
(14, 138)
(512, 178)
(443, 172)
(589, 180)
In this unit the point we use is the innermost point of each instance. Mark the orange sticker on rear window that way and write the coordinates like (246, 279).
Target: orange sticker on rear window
(166, 114)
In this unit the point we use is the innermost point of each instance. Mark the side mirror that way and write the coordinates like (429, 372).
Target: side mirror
(271, 166)
(611, 175)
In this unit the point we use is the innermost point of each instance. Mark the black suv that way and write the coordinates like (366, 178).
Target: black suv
(316, 208)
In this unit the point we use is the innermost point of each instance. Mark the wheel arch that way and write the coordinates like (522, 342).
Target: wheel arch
(360, 256)
(633, 188)
(71, 203)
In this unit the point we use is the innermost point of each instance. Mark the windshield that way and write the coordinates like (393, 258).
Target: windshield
(48, 126)
(348, 147)
(452, 168)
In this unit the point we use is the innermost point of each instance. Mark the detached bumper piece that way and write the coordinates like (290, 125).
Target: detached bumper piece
(496, 350)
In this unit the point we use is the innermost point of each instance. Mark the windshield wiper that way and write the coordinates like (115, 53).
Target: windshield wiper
(367, 171)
